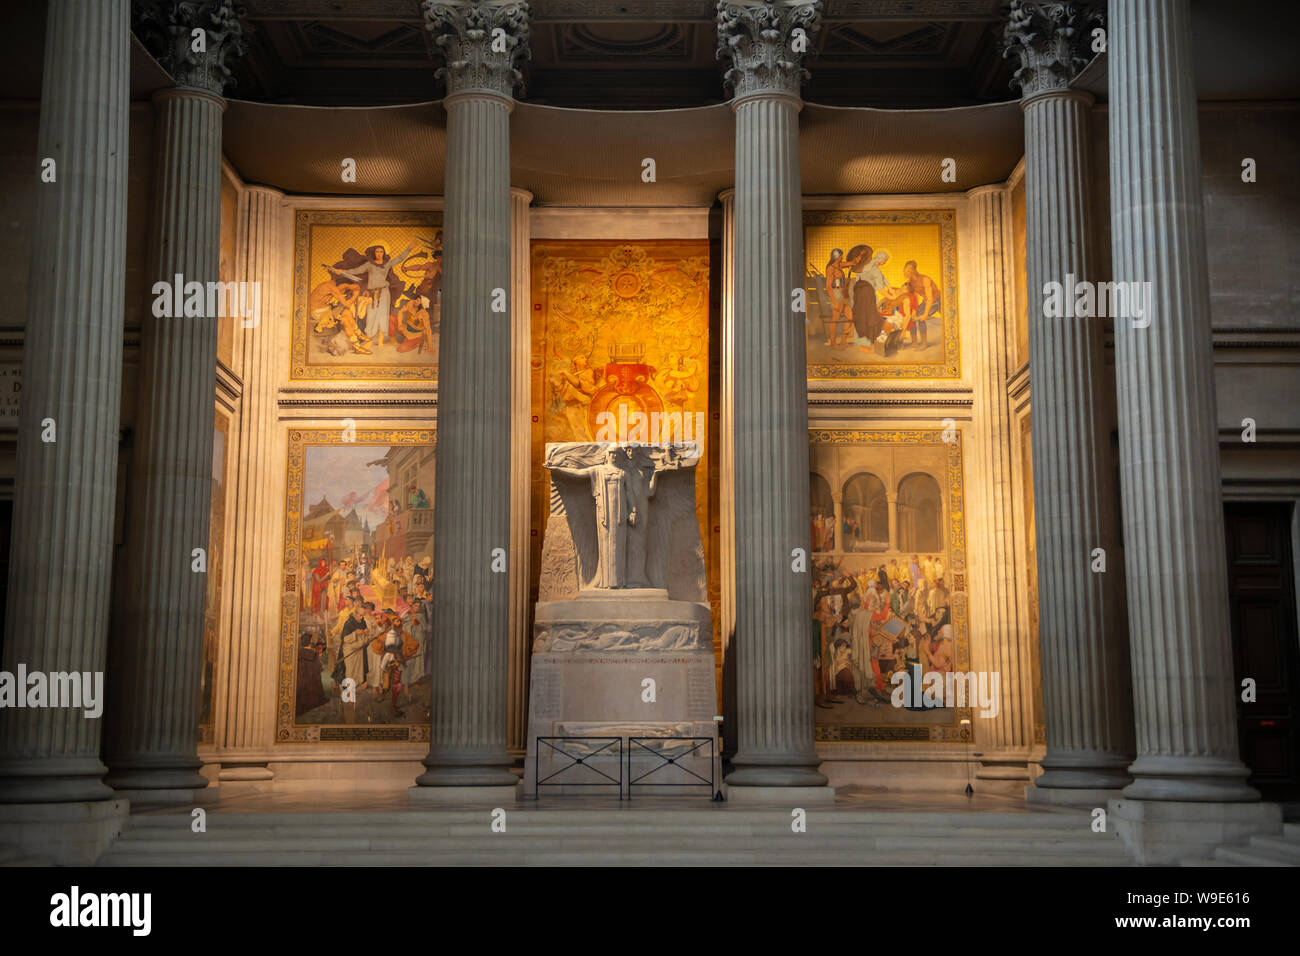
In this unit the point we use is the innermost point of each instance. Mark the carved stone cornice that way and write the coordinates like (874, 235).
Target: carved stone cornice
(166, 28)
(482, 41)
(1052, 42)
(766, 42)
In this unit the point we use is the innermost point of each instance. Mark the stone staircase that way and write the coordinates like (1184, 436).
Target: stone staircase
(625, 836)
(11, 856)
(1262, 850)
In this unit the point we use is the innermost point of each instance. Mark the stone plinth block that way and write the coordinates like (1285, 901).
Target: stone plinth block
(65, 834)
(1164, 832)
(622, 674)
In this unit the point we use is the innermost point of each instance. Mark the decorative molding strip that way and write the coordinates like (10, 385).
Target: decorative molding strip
(891, 403)
(356, 403)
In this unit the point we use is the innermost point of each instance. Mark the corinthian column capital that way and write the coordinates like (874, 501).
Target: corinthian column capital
(1051, 40)
(193, 40)
(482, 40)
(766, 42)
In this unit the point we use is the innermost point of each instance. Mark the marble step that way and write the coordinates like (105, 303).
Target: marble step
(621, 819)
(518, 828)
(1251, 856)
(1282, 847)
(210, 843)
(680, 857)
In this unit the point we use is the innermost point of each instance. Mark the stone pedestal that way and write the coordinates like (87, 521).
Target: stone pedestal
(622, 645)
(630, 666)
(64, 834)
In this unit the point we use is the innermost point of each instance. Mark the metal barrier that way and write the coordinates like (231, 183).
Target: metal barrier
(579, 760)
(666, 761)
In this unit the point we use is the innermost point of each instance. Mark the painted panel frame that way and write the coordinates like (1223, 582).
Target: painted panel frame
(949, 728)
(826, 228)
(294, 594)
(309, 272)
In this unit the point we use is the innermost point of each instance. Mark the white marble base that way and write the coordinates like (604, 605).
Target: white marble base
(443, 796)
(65, 834)
(1164, 832)
(779, 796)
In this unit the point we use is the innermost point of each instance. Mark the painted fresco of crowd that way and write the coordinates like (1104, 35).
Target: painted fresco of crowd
(876, 622)
(370, 621)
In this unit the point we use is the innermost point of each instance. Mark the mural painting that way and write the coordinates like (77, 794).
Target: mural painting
(882, 294)
(356, 624)
(889, 581)
(367, 299)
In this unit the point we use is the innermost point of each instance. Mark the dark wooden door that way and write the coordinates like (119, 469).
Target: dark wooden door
(1261, 581)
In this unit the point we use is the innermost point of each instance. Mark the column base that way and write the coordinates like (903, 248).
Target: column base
(1009, 767)
(65, 834)
(237, 781)
(1084, 798)
(443, 796)
(1083, 770)
(777, 770)
(1190, 779)
(1164, 832)
(53, 780)
(789, 797)
(157, 774)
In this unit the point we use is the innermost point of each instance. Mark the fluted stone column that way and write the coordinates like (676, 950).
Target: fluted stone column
(765, 44)
(892, 501)
(152, 728)
(467, 749)
(246, 664)
(520, 454)
(66, 477)
(1084, 653)
(727, 471)
(1001, 638)
(1169, 452)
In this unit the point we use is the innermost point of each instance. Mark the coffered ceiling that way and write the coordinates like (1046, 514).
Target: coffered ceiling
(624, 54)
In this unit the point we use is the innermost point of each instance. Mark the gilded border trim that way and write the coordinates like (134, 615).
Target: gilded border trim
(946, 219)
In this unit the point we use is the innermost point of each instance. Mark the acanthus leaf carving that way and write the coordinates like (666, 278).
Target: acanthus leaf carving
(1051, 40)
(762, 40)
(166, 28)
(483, 42)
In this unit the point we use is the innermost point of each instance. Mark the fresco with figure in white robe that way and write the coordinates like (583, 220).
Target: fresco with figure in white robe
(881, 291)
(367, 297)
